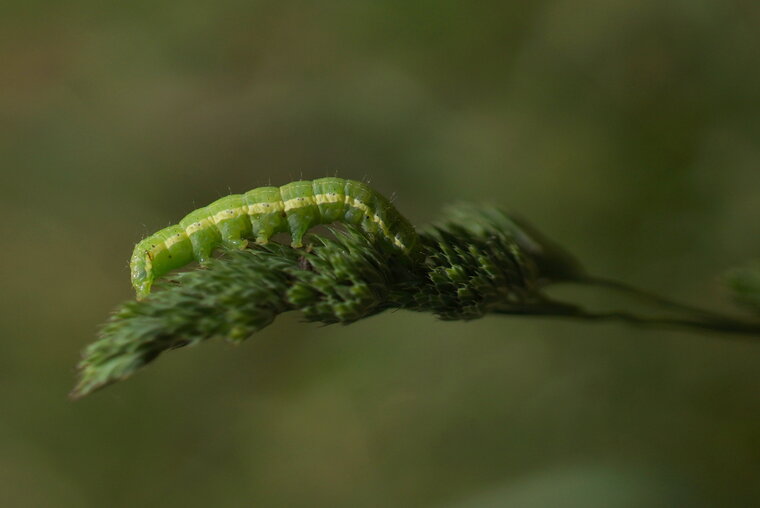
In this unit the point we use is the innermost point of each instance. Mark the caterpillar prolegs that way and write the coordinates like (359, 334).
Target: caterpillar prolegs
(260, 213)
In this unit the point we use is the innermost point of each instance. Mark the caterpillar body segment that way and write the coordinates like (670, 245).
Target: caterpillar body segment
(301, 210)
(258, 214)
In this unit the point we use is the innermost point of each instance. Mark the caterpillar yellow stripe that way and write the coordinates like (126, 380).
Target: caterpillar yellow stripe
(260, 213)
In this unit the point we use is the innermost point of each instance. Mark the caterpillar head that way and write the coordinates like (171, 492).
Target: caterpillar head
(141, 268)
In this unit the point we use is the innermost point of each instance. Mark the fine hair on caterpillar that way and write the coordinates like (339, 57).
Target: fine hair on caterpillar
(258, 214)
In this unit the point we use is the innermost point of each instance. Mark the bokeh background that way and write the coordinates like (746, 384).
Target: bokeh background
(627, 131)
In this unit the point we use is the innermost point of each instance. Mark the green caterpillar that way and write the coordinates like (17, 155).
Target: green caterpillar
(293, 208)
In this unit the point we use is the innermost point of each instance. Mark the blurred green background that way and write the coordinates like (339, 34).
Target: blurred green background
(627, 131)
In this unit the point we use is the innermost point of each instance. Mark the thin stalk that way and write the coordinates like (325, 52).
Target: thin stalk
(715, 323)
(652, 298)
